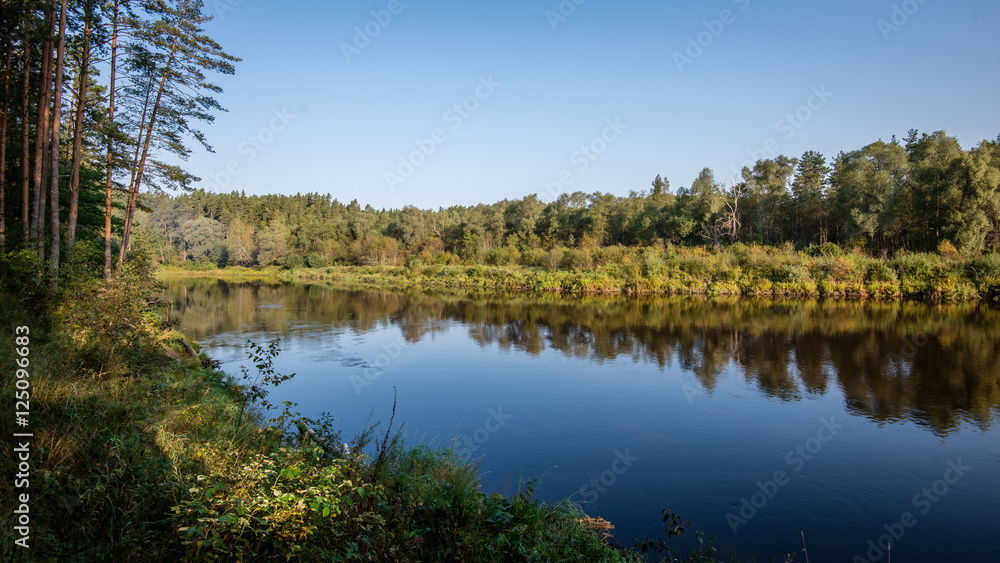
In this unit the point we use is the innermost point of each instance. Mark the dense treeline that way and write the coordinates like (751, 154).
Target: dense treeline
(95, 96)
(911, 195)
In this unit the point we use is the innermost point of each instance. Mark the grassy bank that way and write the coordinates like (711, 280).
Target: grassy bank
(823, 271)
(142, 450)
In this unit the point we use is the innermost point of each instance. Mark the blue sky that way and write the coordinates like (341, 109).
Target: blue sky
(448, 102)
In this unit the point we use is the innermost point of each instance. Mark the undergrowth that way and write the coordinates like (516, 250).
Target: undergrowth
(739, 270)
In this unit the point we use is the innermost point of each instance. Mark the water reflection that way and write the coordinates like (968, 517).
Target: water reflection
(936, 365)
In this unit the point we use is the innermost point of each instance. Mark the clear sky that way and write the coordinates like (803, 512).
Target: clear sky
(462, 102)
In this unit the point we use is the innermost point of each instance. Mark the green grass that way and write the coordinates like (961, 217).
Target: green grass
(752, 271)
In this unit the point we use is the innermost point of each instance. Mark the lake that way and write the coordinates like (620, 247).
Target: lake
(758, 421)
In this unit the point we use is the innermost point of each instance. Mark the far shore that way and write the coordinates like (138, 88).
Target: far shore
(920, 277)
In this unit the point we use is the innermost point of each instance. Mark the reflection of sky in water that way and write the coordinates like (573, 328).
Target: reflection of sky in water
(709, 409)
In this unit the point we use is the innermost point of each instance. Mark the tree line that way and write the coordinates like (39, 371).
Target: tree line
(96, 96)
(909, 195)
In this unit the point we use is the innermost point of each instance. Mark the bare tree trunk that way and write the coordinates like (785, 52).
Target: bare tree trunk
(57, 107)
(130, 198)
(134, 188)
(4, 105)
(110, 163)
(41, 138)
(81, 105)
(25, 136)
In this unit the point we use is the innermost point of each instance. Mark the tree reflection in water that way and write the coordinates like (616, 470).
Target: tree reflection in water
(936, 365)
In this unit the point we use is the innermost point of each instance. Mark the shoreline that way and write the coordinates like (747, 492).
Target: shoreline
(951, 285)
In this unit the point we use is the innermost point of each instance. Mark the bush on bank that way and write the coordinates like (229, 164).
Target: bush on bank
(739, 270)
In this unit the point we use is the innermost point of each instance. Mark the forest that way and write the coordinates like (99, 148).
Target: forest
(100, 100)
(885, 198)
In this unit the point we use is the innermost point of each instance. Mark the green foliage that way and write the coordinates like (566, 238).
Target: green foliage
(113, 329)
(754, 270)
(882, 197)
(256, 389)
(985, 271)
(22, 274)
(880, 272)
(293, 261)
(675, 528)
(917, 271)
(575, 259)
(652, 265)
(286, 503)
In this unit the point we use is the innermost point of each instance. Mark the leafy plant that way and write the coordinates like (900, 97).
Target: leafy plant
(267, 376)
(675, 527)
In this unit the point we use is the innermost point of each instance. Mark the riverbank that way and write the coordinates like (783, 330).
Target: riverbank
(141, 449)
(739, 270)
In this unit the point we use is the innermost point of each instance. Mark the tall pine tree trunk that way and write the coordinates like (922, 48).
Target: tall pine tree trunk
(41, 138)
(110, 162)
(25, 136)
(57, 106)
(134, 188)
(4, 106)
(81, 105)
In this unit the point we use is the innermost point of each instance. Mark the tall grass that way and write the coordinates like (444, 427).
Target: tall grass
(825, 271)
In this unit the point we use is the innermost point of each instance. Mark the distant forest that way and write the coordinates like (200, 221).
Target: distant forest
(887, 197)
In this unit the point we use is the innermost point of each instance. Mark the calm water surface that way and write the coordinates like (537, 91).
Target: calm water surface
(756, 420)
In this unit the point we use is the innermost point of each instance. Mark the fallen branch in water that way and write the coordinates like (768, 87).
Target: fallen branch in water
(305, 430)
(187, 347)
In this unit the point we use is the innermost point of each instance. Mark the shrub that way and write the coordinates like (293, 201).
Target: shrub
(830, 249)
(294, 261)
(22, 274)
(505, 256)
(948, 252)
(789, 273)
(610, 255)
(109, 323)
(880, 272)
(652, 264)
(532, 257)
(986, 270)
(314, 260)
(844, 269)
(576, 260)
